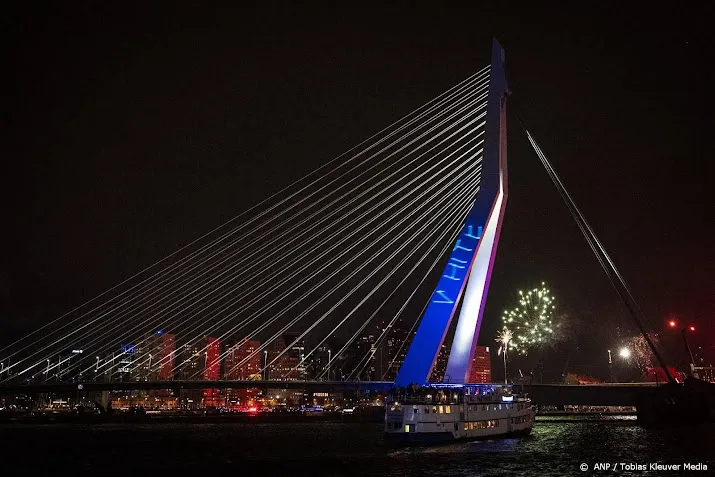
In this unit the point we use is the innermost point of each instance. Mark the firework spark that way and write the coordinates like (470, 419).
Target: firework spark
(531, 321)
(641, 352)
(504, 337)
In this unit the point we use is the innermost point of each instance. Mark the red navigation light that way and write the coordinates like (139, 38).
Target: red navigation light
(672, 323)
(691, 328)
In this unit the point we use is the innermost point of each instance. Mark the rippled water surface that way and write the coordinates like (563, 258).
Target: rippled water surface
(557, 447)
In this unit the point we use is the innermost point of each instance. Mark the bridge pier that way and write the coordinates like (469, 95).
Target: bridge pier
(103, 402)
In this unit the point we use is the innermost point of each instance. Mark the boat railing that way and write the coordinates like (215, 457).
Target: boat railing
(408, 399)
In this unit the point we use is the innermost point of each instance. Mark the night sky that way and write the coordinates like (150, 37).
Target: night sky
(129, 132)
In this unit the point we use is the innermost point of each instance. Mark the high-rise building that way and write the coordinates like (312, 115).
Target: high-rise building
(155, 357)
(285, 366)
(357, 361)
(200, 360)
(440, 365)
(190, 362)
(481, 366)
(318, 363)
(212, 365)
(397, 346)
(125, 362)
(241, 361)
(297, 352)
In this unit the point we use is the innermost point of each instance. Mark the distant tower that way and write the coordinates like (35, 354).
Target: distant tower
(468, 271)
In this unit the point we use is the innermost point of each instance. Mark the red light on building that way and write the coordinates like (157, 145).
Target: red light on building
(237, 353)
(692, 328)
(481, 366)
(166, 347)
(212, 368)
(672, 323)
(213, 357)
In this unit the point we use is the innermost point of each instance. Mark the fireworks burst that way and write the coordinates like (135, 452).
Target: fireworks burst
(531, 320)
(641, 352)
(504, 337)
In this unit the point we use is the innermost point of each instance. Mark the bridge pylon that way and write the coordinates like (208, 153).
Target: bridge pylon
(465, 281)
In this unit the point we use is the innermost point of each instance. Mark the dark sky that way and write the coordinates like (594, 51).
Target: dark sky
(129, 132)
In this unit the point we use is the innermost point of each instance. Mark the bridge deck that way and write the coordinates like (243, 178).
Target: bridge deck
(544, 394)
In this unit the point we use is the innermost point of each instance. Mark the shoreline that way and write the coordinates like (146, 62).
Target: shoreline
(258, 418)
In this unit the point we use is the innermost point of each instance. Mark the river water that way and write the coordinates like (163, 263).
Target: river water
(557, 447)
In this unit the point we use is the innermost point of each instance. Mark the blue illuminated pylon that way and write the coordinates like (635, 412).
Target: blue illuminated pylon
(469, 268)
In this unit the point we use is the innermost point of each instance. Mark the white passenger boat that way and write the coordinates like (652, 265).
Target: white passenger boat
(440, 413)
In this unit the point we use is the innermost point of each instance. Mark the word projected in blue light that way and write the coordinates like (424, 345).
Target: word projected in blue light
(456, 270)
(425, 345)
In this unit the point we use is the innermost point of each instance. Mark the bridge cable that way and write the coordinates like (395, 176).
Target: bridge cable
(609, 268)
(325, 252)
(394, 269)
(305, 230)
(53, 343)
(437, 99)
(444, 141)
(373, 257)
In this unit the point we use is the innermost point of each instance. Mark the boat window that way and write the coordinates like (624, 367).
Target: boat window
(466, 426)
(441, 409)
(434, 409)
(416, 410)
(426, 409)
(447, 409)
(407, 428)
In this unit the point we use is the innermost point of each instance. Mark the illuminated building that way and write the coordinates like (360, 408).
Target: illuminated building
(285, 366)
(440, 366)
(155, 357)
(238, 351)
(318, 362)
(125, 362)
(212, 369)
(212, 366)
(396, 348)
(297, 352)
(358, 356)
(481, 366)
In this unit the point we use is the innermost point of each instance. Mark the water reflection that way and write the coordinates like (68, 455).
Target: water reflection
(555, 448)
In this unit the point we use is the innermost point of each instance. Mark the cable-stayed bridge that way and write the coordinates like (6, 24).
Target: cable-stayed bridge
(353, 274)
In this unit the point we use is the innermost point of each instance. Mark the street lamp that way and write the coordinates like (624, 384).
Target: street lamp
(691, 328)
(624, 353)
(610, 365)
(330, 355)
(265, 365)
